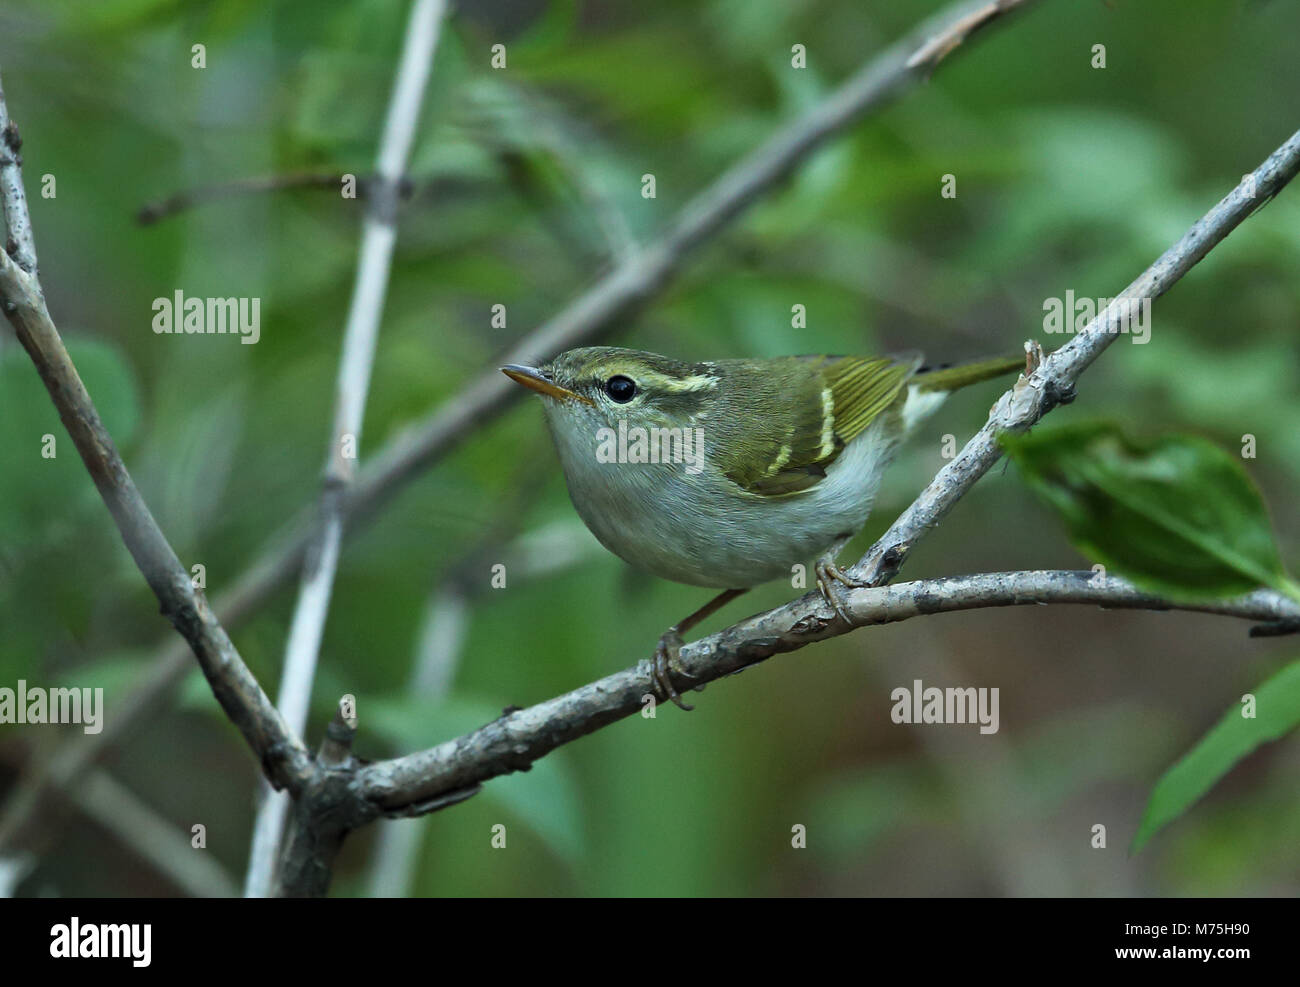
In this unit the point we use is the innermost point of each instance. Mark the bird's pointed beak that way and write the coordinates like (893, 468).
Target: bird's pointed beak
(539, 381)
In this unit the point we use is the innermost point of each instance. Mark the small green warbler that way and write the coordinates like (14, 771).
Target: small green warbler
(729, 472)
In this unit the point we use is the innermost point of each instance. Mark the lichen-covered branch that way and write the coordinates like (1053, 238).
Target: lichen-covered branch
(514, 741)
(19, 242)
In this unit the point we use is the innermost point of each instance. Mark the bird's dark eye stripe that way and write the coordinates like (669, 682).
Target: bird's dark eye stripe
(621, 389)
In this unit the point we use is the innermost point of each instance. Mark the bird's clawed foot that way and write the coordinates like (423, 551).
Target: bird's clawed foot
(667, 652)
(829, 573)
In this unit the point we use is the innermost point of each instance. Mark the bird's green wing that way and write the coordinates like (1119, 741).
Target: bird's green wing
(814, 406)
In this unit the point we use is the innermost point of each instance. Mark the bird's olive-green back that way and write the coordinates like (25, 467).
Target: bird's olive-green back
(799, 413)
(772, 426)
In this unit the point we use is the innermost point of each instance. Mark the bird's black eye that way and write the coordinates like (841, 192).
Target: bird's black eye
(621, 389)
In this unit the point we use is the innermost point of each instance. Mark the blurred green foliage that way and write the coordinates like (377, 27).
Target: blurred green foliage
(1068, 177)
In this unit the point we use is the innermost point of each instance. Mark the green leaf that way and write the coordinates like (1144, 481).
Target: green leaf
(1178, 516)
(1277, 712)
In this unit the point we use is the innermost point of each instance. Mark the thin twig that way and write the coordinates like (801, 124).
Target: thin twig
(410, 188)
(1054, 380)
(515, 741)
(155, 839)
(19, 243)
(153, 212)
(598, 311)
(284, 759)
(360, 339)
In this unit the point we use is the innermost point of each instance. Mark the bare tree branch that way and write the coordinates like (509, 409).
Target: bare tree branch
(1053, 382)
(19, 242)
(598, 311)
(360, 340)
(283, 756)
(321, 817)
(516, 740)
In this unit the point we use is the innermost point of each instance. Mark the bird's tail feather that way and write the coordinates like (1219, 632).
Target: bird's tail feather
(952, 378)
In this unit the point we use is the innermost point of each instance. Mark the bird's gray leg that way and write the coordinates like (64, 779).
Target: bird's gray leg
(670, 646)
